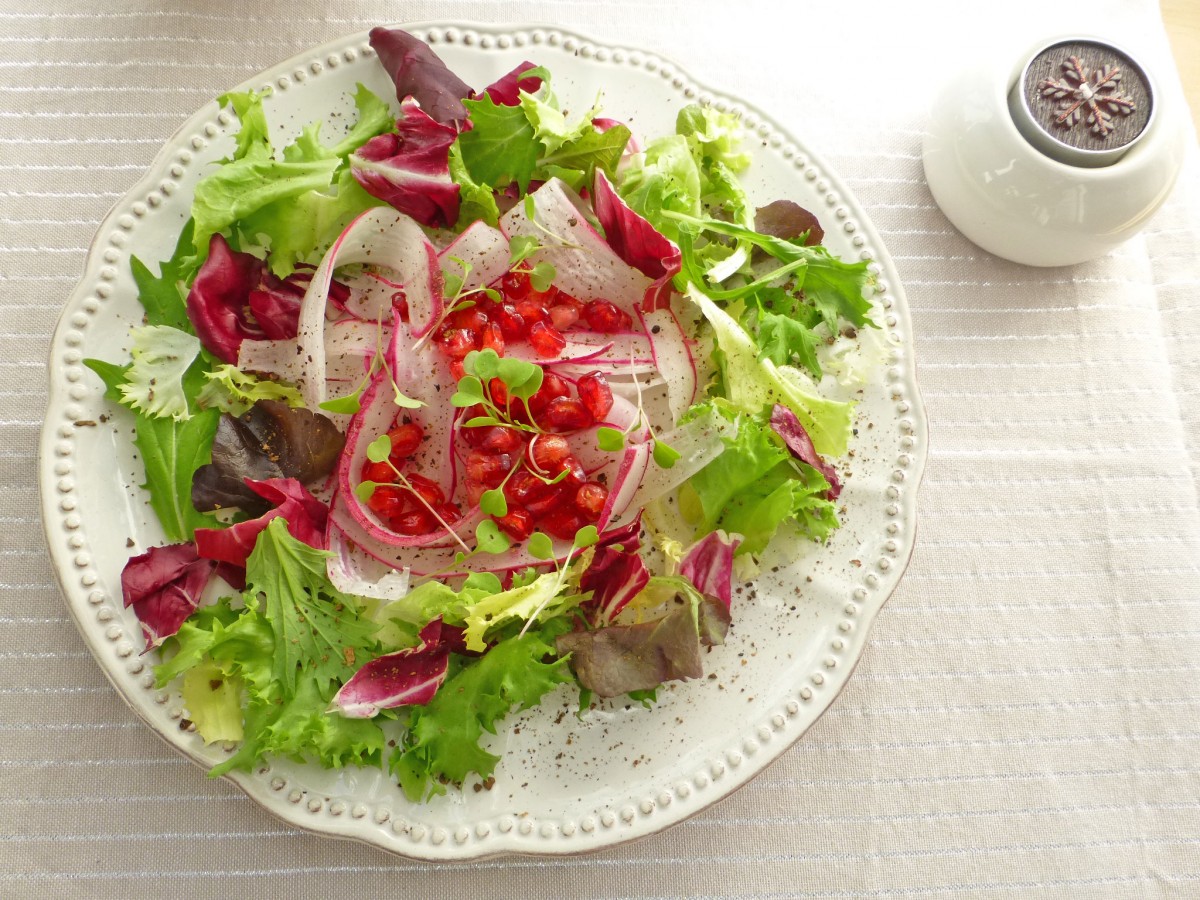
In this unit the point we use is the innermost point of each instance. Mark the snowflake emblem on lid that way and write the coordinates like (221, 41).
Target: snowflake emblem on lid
(1098, 95)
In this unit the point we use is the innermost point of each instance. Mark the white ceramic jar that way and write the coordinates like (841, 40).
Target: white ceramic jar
(1014, 199)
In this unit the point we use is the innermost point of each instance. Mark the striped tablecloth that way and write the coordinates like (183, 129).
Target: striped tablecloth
(1026, 719)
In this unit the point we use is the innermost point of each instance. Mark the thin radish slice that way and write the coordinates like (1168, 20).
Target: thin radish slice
(673, 358)
(484, 250)
(353, 571)
(349, 346)
(585, 265)
(381, 237)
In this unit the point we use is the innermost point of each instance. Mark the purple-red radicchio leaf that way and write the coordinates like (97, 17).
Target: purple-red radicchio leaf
(614, 577)
(411, 169)
(407, 677)
(219, 300)
(708, 565)
(787, 426)
(631, 236)
(275, 302)
(163, 586)
(419, 73)
(306, 520)
(506, 91)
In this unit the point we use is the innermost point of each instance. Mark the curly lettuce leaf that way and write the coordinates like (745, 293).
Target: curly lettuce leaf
(501, 147)
(442, 744)
(233, 391)
(662, 178)
(154, 382)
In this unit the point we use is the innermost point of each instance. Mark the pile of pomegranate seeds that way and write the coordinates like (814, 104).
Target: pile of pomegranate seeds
(545, 486)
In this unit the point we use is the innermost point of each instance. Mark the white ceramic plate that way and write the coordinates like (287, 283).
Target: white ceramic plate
(564, 784)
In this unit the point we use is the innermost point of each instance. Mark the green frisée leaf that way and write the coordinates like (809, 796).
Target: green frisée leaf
(442, 743)
(233, 391)
(154, 383)
(543, 597)
(164, 296)
(783, 339)
(475, 200)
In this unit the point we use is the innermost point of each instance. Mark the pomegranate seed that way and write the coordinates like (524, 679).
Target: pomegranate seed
(514, 285)
(590, 499)
(474, 492)
(546, 340)
(565, 312)
(551, 501)
(427, 489)
(472, 319)
(595, 394)
(498, 439)
(486, 468)
(517, 524)
(561, 523)
(523, 487)
(603, 316)
(512, 324)
(449, 512)
(388, 501)
(379, 472)
(547, 453)
(419, 521)
(498, 391)
(576, 474)
(458, 342)
(456, 370)
(565, 414)
(532, 311)
(406, 439)
(493, 338)
(552, 386)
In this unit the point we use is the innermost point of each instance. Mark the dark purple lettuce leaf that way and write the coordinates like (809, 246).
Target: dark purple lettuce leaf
(708, 565)
(788, 220)
(407, 677)
(787, 426)
(614, 577)
(411, 169)
(506, 91)
(270, 440)
(417, 72)
(306, 520)
(217, 302)
(622, 658)
(631, 236)
(713, 622)
(163, 586)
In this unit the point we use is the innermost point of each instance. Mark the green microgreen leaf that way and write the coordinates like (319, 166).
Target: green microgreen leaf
(521, 247)
(347, 405)
(610, 439)
(586, 537)
(542, 276)
(481, 421)
(489, 538)
(493, 503)
(469, 393)
(540, 546)
(379, 449)
(403, 400)
(364, 490)
(664, 454)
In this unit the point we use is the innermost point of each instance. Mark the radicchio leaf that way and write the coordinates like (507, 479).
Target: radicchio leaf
(419, 73)
(622, 658)
(785, 424)
(271, 440)
(506, 91)
(218, 301)
(163, 586)
(614, 577)
(275, 302)
(708, 564)
(631, 235)
(411, 169)
(407, 677)
(306, 521)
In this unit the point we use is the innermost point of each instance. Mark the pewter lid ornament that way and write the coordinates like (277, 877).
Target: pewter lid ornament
(1082, 101)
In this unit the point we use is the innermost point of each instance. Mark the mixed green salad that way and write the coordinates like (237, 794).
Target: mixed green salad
(479, 398)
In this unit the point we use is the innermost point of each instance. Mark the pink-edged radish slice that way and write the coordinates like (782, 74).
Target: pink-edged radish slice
(673, 357)
(381, 237)
(585, 266)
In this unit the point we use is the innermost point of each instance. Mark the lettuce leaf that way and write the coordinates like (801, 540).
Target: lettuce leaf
(154, 382)
(501, 147)
(442, 744)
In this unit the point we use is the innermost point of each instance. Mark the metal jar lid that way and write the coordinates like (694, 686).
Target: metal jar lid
(1083, 102)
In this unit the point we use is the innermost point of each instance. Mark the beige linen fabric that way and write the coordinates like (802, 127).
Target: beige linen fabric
(1026, 718)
